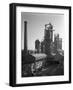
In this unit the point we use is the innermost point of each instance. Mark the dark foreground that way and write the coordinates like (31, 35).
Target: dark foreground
(52, 68)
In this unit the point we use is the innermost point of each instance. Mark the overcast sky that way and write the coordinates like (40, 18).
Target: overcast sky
(36, 25)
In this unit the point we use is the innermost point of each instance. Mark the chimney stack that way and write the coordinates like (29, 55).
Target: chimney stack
(25, 37)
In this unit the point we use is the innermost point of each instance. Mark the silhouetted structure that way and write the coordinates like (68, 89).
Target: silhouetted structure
(48, 38)
(42, 47)
(37, 46)
(60, 43)
(57, 42)
(25, 37)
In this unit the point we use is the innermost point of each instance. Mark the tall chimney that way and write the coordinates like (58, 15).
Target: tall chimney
(25, 37)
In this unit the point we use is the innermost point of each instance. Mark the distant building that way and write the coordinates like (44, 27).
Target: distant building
(37, 46)
(48, 38)
(42, 47)
(52, 47)
(57, 42)
(60, 43)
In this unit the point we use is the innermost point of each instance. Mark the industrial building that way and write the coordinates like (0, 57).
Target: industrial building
(48, 38)
(34, 61)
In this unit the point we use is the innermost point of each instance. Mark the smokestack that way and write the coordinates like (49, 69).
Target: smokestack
(25, 37)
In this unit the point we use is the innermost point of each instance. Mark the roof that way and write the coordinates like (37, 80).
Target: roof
(39, 56)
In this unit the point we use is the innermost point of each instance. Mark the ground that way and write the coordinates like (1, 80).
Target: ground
(54, 66)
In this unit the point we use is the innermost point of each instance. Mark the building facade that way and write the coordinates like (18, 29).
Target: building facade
(48, 38)
(57, 42)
